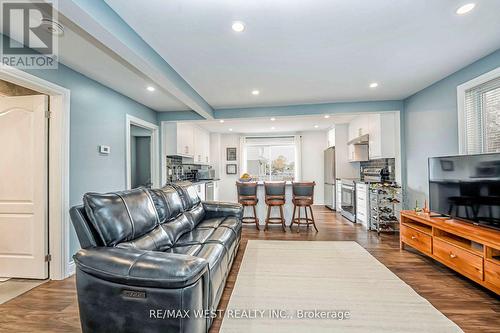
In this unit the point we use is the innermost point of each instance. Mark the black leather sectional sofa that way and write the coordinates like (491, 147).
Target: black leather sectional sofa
(153, 260)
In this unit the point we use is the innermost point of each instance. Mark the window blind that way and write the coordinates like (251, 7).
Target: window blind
(482, 118)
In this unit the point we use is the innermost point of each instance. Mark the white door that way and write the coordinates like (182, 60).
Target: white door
(23, 187)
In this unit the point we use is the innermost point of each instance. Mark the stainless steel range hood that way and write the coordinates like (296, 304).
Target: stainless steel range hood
(360, 140)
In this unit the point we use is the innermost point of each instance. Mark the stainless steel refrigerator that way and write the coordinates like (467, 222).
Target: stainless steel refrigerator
(330, 177)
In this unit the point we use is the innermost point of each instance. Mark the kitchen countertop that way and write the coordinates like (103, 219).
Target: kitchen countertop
(203, 181)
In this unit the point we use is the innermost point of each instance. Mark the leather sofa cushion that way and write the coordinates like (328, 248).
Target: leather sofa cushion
(178, 227)
(141, 268)
(218, 261)
(167, 202)
(225, 237)
(196, 236)
(155, 240)
(211, 223)
(196, 214)
(121, 216)
(188, 194)
(191, 250)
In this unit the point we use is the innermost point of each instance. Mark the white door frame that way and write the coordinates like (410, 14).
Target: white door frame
(155, 153)
(60, 265)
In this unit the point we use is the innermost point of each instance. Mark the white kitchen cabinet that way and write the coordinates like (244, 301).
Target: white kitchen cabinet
(331, 137)
(338, 197)
(362, 204)
(187, 140)
(216, 191)
(201, 146)
(359, 126)
(200, 190)
(382, 136)
(179, 139)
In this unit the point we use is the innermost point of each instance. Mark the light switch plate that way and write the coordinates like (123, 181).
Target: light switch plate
(104, 150)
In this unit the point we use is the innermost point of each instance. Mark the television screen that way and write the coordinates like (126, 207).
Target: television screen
(466, 187)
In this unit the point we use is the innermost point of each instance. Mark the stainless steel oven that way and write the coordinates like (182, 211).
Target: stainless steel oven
(348, 199)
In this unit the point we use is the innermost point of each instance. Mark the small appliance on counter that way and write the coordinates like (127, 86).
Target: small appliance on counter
(205, 174)
(375, 175)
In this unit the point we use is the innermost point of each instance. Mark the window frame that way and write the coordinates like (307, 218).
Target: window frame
(271, 144)
(461, 89)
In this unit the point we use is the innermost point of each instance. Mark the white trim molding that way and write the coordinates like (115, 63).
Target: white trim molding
(155, 150)
(58, 216)
(461, 89)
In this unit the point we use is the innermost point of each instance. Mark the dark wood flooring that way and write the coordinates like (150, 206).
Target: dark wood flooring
(52, 307)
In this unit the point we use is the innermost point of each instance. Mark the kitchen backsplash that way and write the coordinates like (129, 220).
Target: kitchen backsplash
(188, 168)
(389, 163)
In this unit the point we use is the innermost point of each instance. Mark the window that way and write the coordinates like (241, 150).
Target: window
(480, 115)
(271, 158)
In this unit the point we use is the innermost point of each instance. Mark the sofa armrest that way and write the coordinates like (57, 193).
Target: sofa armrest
(222, 209)
(141, 268)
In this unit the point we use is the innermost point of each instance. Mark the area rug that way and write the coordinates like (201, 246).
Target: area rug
(15, 287)
(312, 286)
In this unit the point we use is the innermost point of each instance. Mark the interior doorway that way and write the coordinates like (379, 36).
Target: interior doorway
(140, 157)
(142, 167)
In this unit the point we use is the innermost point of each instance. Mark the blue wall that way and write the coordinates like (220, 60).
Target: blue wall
(97, 118)
(430, 125)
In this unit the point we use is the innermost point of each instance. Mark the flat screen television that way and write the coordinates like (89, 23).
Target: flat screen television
(466, 187)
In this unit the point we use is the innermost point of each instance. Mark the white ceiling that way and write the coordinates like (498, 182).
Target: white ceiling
(281, 124)
(314, 51)
(78, 50)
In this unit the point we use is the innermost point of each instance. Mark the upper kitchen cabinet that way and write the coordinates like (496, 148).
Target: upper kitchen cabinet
(382, 135)
(179, 139)
(187, 140)
(201, 145)
(381, 132)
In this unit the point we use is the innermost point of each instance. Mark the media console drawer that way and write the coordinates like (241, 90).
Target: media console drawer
(461, 260)
(416, 239)
(492, 273)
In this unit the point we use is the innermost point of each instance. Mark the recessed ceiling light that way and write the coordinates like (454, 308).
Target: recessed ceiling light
(374, 85)
(273, 119)
(327, 116)
(255, 92)
(221, 121)
(316, 126)
(151, 88)
(272, 127)
(465, 8)
(238, 26)
(230, 130)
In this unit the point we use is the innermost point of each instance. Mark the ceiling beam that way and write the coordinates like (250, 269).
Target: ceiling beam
(290, 110)
(310, 109)
(105, 25)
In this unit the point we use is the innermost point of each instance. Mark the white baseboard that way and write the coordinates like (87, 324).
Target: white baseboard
(71, 268)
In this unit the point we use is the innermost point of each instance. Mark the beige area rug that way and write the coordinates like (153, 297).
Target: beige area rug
(15, 287)
(289, 286)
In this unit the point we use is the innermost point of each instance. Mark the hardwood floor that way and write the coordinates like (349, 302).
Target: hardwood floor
(52, 307)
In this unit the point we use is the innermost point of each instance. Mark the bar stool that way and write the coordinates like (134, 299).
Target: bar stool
(303, 196)
(247, 196)
(275, 197)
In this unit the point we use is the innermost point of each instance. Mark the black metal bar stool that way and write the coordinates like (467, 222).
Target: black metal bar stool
(303, 196)
(275, 197)
(247, 196)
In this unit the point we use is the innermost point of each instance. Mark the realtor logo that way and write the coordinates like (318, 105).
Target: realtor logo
(30, 32)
